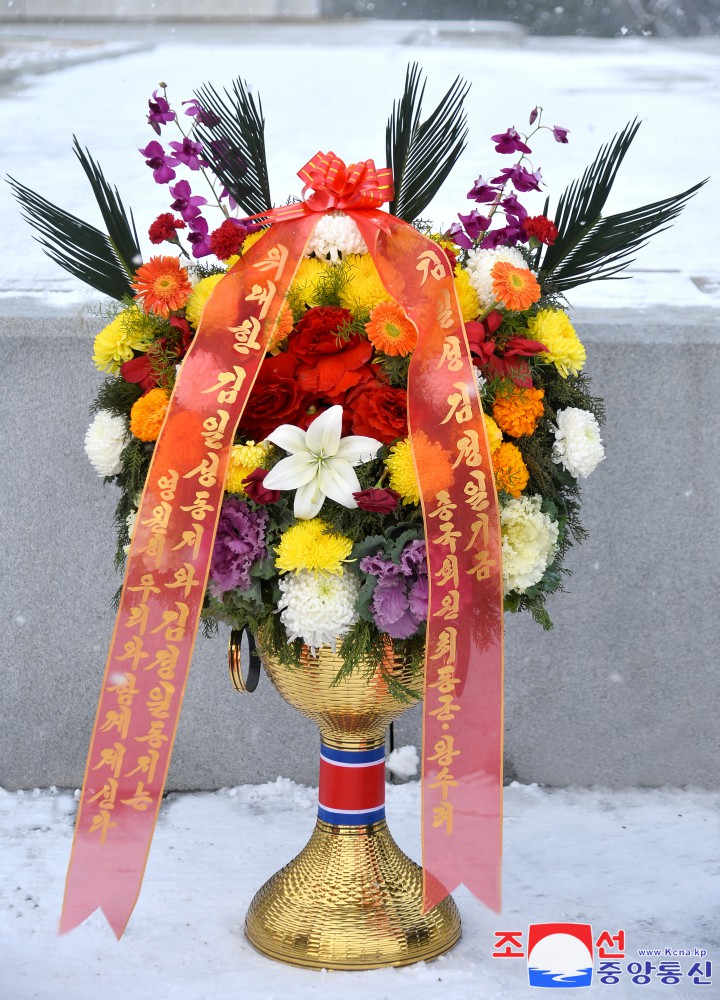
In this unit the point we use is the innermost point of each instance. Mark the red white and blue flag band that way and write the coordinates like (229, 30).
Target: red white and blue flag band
(352, 786)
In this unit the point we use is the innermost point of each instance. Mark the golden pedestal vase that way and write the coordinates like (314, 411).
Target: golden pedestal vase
(351, 899)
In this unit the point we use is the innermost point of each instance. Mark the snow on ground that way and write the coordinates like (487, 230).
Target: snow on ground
(642, 861)
(322, 95)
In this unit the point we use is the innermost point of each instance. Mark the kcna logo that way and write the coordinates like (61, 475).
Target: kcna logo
(560, 955)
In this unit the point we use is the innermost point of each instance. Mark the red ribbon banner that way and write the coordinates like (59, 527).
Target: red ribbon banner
(169, 559)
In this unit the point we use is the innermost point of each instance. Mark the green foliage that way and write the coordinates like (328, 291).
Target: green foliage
(235, 145)
(82, 249)
(591, 247)
(117, 396)
(395, 369)
(421, 154)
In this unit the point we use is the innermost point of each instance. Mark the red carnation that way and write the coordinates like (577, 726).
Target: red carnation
(140, 370)
(165, 228)
(541, 228)
(227, 239)
(378, 410)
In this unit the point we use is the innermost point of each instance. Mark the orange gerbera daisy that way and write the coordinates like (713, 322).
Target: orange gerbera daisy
(148, 413)
(515, 287)
(389, 330)
(511, 474)
(517, 410)
(162, 285)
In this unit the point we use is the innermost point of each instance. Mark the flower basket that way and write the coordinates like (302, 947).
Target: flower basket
(360, 440)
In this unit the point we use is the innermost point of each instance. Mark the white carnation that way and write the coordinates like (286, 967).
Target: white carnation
(578, 446)
(318, 608)
(529, 539)
(481, 262)
(335, 234)
(105, 439)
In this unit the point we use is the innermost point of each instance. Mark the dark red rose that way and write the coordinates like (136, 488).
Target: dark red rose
(227, 239)
(541, 228)
(164, 228)
(378, 410)
(329, 365)
(377, 501)
(508, 359)
(256, 491)
(277, 397)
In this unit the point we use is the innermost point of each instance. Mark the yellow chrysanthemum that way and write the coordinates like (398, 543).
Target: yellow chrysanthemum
(364, 289)
(282, 330)
(305, 285)
(553, 329)
(517, 410)
(402, 472)
(250, 240)
(494, 434)
(312, 546)
(198, 298)
(467, 296)
(244, 459)
(511, 473)
(119, 339)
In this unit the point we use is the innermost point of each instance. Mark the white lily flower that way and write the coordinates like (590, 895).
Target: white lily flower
(320, 464)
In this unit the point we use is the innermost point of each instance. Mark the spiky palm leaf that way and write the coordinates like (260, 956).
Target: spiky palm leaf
(75, 245)
(121, 229)
(591, 247)
(422, 154)
(235, 144)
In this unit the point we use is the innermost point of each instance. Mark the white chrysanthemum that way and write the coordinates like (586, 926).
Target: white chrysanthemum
(105, 439)
(316, 608)
(481, 262)
(529, 539)
(335, 234)
(578, 446)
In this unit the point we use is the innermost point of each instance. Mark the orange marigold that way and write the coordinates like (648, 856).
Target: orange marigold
(282, 330)
(517, 410)
(389, 330)
(511, 474)
(515, 287)
(148, 413)
(162, 285)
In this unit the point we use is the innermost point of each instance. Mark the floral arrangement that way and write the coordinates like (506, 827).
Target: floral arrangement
(320, 539)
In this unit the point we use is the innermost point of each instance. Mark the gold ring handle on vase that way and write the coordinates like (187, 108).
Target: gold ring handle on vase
(246, 685)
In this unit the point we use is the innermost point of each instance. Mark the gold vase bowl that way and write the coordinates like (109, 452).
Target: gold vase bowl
(351, 899)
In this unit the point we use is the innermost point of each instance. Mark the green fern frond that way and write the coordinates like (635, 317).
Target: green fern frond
(235, 144)
(79, 248)
(121, 229)
(591, 247)
(422, 154)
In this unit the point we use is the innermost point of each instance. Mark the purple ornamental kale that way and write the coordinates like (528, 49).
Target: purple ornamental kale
(400, 599)
(162, 165)
(239, 543)
(160, 112)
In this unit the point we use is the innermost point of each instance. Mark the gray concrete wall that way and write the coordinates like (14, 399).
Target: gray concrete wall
(158, 10)
(623, 692)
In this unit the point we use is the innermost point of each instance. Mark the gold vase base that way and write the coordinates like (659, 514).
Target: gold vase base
(350, 900)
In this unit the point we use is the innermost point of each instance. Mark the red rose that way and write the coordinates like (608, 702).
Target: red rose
(541, 228)
(377, 501)
(140, 371)
(330, 366)
(165, 227)
(256, 491)
(378, 410)
(277, 397)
